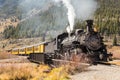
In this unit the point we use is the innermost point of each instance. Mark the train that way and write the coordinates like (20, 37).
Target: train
(66, 46)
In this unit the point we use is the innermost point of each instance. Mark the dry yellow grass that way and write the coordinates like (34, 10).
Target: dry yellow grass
(28, 71)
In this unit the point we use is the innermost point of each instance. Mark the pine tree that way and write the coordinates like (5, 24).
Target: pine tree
(115, 41)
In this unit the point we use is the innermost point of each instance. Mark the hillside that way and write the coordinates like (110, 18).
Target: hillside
(9, 8)
(47, 21)
(107, 19)
(5, 23)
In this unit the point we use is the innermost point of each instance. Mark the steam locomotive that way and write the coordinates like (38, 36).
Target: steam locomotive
(66, 46)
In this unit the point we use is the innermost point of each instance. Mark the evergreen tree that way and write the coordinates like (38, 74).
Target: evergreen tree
(115, 41)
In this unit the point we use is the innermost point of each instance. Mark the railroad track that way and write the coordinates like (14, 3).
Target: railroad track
(114, 62)
(58, 62)
(64, 62)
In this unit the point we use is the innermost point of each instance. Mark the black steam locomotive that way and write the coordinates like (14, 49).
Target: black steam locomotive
(88, 44)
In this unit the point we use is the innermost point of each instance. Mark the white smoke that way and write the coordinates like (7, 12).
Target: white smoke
(85, 9)
(70, 13)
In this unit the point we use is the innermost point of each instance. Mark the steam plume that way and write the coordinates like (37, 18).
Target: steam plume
(82, 9)
(70, 13)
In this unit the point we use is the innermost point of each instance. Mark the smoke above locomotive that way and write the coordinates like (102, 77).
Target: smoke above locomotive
(70, 13)
(81, 9)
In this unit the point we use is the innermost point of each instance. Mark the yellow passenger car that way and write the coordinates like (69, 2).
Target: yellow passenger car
(15, 51)
(39, 48)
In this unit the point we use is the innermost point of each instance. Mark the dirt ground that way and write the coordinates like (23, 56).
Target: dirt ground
(115, 50)
(99, 72)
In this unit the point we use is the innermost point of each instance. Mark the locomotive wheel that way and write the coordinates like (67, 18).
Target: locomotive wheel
(103, 57)
(66, 56)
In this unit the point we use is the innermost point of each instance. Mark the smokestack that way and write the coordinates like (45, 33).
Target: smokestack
(89, 26)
